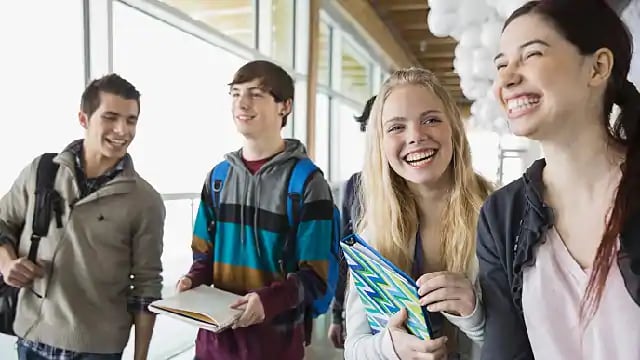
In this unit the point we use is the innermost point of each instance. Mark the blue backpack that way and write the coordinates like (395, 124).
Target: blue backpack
(301, 173)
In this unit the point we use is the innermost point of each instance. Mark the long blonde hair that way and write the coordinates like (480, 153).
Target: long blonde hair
(390, 213)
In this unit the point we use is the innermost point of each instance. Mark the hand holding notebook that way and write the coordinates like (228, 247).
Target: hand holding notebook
(204, 306)
(384, 289)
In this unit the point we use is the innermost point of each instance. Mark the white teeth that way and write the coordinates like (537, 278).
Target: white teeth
(417, 156)
(419, 163)
(523, 102)
(118, 142)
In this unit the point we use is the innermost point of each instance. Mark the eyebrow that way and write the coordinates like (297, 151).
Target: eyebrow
(113, 113)
(404, 119)
(251, 88)
(528, 43)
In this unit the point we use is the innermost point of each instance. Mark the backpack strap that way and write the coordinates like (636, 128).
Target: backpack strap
(216, 183)
(300, 175)
(295, 192)
(47, 200)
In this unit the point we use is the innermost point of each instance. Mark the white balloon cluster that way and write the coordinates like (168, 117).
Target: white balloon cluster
(476, 25)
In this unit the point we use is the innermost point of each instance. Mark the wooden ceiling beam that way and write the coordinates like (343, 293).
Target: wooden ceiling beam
(438, 64)
(402, 18)
(420, 5)
(374, 29)
(413, 26)
(422, 34)
(435, 55)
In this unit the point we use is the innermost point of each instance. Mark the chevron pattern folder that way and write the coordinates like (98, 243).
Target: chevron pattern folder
(384, 289)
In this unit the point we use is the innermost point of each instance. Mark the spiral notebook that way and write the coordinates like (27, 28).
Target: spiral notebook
(384, 289)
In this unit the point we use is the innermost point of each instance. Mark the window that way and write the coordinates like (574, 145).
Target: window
(42, 72)
(351, 143)
(185, 128)
(322, 132)
(185, 121)
(283, 22)
(355, 74)
(324, 54)
(234, 18)
(513, 149)
(485, 152)
(511, 165)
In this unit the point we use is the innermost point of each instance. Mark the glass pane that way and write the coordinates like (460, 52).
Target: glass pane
(283, 22)
(324, 54)
(235, 18)
(351, 145)
(355, 74)
(512, 169)
(322, 131)
(185, 115)
(42, 72)
(185, 128)
(485, 152)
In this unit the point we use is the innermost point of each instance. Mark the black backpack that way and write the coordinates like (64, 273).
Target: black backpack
(47, 199)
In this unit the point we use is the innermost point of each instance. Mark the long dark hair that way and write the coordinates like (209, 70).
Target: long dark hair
(591, 25)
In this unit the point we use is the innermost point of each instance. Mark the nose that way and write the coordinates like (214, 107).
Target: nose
(415, 133)
(508, 77)
(244, 101)
(120, 127)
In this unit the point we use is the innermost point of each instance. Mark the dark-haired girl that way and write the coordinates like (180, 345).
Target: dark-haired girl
(559, 249)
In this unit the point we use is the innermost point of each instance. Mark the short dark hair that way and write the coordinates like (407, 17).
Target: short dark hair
(273, 79)
(111, 84)
(366, 112)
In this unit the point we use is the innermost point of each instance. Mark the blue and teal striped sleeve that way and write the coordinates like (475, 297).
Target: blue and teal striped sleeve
(313, 248)
(201, 271)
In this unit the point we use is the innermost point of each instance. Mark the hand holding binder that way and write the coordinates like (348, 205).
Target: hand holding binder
(384, 289)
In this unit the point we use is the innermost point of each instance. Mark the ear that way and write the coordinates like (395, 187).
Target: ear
(83, 119)
(285, 107)
(602, 64)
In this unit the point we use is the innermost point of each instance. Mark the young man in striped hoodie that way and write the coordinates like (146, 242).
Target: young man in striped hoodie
(243, 253)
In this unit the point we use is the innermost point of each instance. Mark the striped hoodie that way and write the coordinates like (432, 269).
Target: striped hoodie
(244, 255)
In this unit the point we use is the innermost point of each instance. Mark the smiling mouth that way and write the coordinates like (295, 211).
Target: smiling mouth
(522, 104)
(419, 159)
(245, 117)
(116, 143)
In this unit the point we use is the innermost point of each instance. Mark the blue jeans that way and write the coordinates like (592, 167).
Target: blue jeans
(46, 352)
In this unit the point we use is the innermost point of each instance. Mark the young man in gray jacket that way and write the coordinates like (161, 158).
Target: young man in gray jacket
(99, 266)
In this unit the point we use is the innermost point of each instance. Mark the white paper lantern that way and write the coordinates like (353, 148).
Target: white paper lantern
(475, 108)
(463, 52)
(490, 35)
(483, 65)
(463, 66)
(441, 25)
(500, 125)
(471, 37)
(444, 6)
(506, 7)
(472, 12)
(472, 88)
(483, 86)
(486, 112)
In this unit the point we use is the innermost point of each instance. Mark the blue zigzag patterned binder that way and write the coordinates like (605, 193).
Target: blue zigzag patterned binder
(384, 289)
